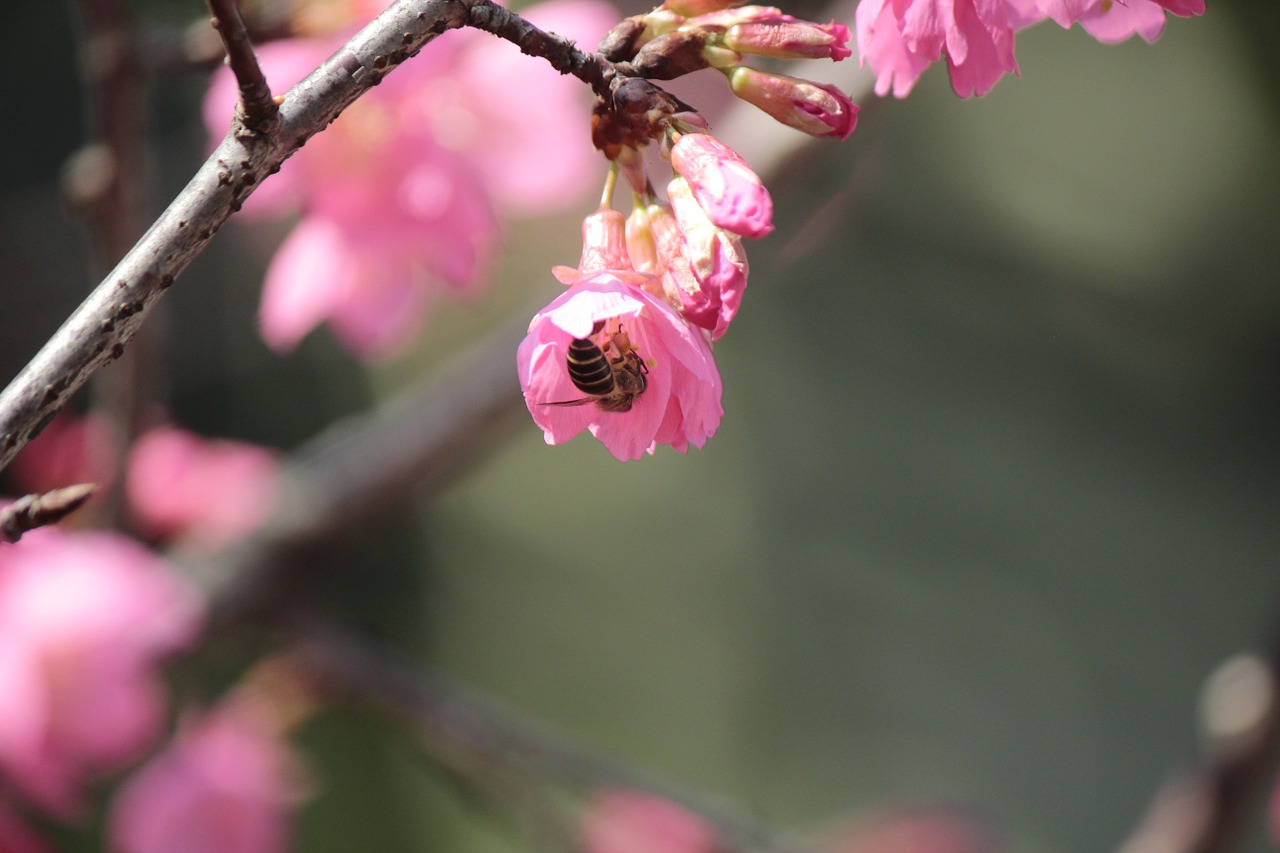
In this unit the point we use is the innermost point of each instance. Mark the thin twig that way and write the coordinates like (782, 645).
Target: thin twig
(257, 110)
(470, 735)
(99, 329)
(32, 511)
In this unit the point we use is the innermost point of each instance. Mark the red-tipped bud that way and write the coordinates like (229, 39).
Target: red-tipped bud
(815, 108)
(790, 39)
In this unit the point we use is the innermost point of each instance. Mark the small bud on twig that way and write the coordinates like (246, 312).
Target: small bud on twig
(32, 511)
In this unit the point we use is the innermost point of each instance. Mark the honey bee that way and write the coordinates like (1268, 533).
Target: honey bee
(613, 382)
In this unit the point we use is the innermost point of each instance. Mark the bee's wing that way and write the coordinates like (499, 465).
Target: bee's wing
(581, 401)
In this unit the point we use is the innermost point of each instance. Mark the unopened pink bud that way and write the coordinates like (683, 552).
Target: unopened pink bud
(717, 260)
(604, 242)
(604, 249)
(815, 108)
(790, 39)
(722, 182)
(640, 243)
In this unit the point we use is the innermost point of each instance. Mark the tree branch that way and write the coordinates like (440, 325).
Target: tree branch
(99, 329)
(471, 736)
(257, 110)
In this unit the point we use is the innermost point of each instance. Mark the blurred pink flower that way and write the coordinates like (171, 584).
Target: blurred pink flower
(227, 784)
(398, 196)
(680, 403)
(85, 620)
(636, 822)
(722, 182)
(70, 450)
(210, 491)
(900, 38)
(914, 829)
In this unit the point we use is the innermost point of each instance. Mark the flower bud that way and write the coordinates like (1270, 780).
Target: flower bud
(815, 108)
(790, 39)
(724, 185)
(622, 42)
(671, 55)
(717, 260)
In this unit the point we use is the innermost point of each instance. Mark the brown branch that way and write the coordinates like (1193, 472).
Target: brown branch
(590, 68)
(32, 511)
(257, 109)
(99, 329)
(472, 737)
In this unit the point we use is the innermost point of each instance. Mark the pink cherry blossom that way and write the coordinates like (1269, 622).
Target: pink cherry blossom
(226, 784)
(399, 196)
(1107, 21)
(900, 38)
(208, 491)
(85, 619)
(680, 404)
(637, 822)
(730, 193)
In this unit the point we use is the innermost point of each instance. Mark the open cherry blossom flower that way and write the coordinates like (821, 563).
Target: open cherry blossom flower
(85, 620)
(641, 337)
(900, 38)
(227, 784)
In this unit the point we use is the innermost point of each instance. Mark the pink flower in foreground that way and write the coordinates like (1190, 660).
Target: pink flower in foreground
(181, 485)
(635, 822)
(679, 403)
(85, 620)
(900, 38)
(398, 197)
(227, 784)
(730, 193)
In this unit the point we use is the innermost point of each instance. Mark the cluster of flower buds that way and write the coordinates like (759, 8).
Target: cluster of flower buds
(625, 352)
(683, 36)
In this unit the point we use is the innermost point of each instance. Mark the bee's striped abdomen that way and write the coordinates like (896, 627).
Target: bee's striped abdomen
(589, 370)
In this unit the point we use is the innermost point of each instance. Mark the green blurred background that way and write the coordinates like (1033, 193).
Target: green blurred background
(995, 490)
